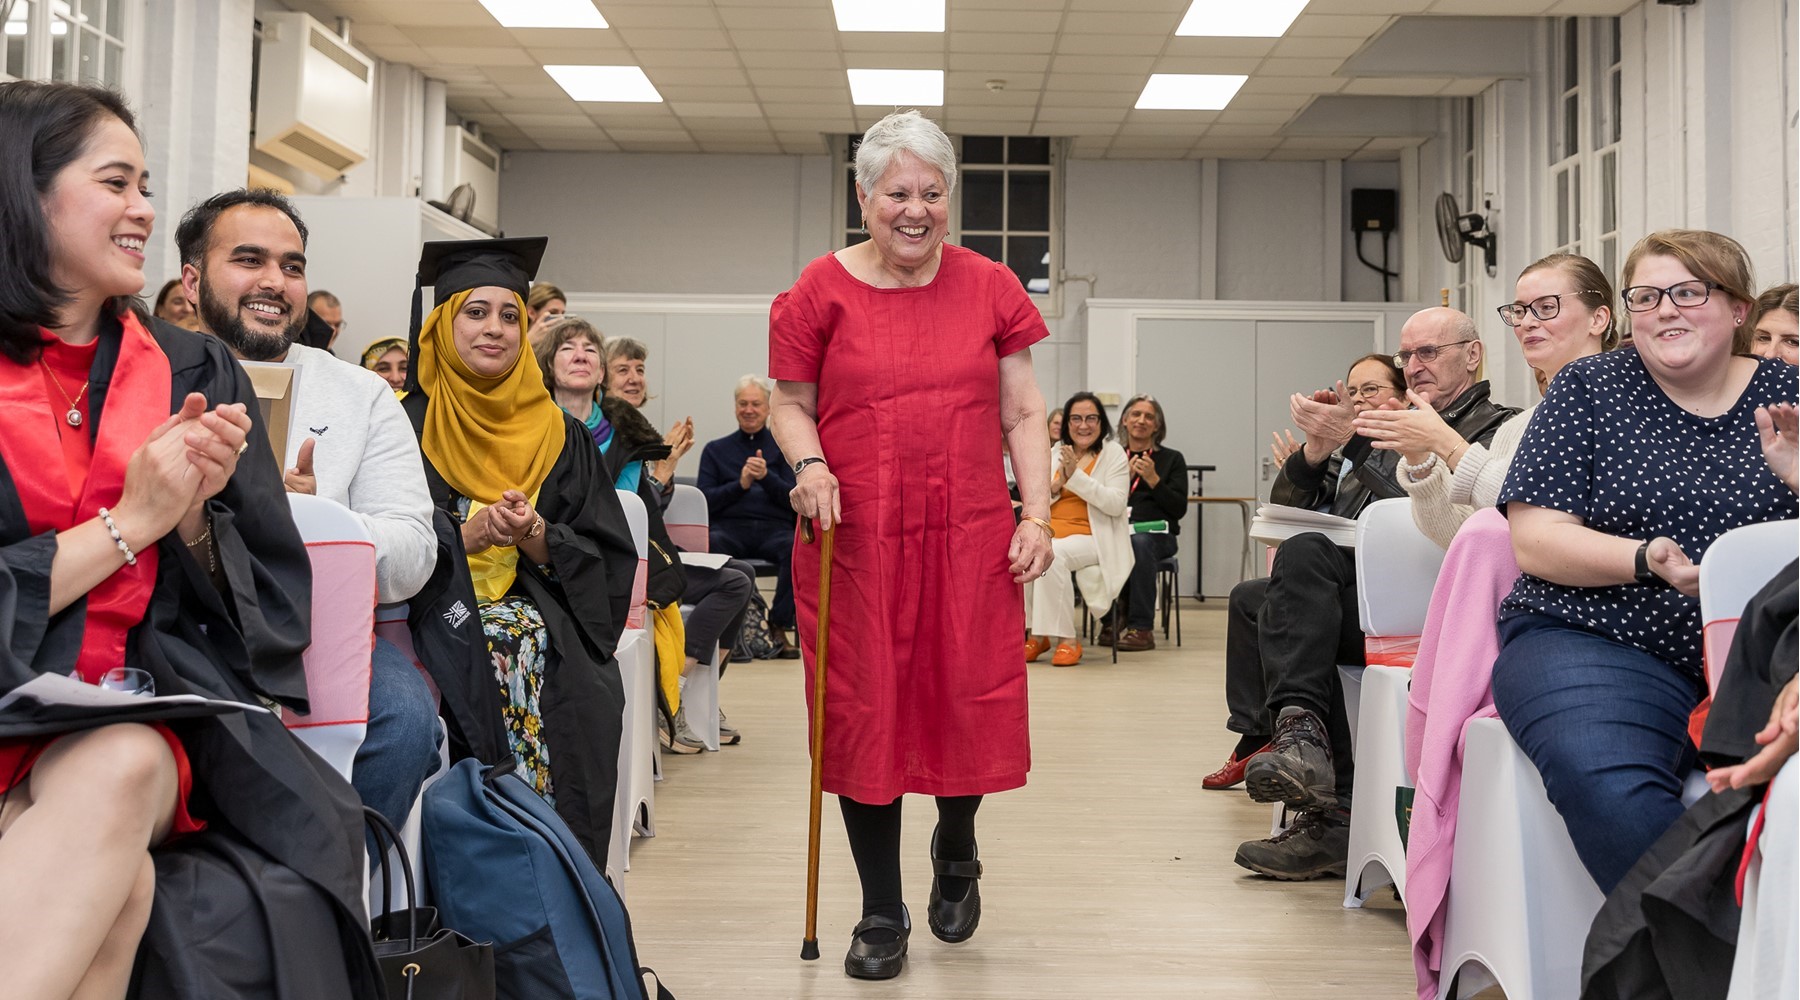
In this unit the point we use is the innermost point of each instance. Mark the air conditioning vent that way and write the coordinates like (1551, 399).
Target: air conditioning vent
(479, 153)
(468, 160)
(315, 97)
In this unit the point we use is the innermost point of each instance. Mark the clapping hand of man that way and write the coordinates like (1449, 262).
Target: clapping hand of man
(1327, 419)
(755, 467)
(300, 478)
(1144, 467)
(1414, 432)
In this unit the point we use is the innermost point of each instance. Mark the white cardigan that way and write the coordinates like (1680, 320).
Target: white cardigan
(1106, 491)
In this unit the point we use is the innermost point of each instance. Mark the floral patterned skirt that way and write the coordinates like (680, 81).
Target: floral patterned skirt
(519, 645)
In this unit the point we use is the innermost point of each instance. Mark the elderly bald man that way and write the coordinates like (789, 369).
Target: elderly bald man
(1288, 632)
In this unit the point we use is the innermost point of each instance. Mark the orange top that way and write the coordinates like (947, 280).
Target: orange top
(1069, 514)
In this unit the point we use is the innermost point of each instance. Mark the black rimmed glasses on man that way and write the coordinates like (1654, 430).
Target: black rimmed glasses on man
(1544, 307)
(1426, 354)
(1685, 294)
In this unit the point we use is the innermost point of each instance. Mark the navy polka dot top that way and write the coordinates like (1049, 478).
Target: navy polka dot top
(1609, 447)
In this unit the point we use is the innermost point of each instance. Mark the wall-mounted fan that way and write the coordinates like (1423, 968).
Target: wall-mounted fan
(1456, 229)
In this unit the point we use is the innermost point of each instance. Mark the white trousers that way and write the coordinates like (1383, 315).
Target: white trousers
(1051, 598)
(1767, 963)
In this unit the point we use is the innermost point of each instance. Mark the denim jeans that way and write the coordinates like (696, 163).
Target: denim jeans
(400, 749)
(1147, 549)
(1606, 725)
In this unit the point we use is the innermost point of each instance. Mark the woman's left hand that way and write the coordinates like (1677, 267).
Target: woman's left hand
(680, 438)
(1779, 428)
(513, 514)
(215, 440)
(1029, 553)
(1414, 433)
(1669, 562)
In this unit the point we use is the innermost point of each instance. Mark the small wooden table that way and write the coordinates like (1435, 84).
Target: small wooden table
(1247, 506)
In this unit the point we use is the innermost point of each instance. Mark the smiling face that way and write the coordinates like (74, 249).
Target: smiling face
(1140, 424)
(251, 284)
(1777, 335)
(752, 405)
(1365, 375)
(486, 331)
(98, 214)
(1682, 344)
(625, 380)
(1084, 424)
(908, 213)
(392, 366)
(1576, 331)
(578, 365)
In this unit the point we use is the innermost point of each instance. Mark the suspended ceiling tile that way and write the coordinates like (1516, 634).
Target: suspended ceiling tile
(816, 18)
(1512, 7)
(1383, 7)
(431, 36)
(698, 76)
(1101, 64)
(1247, 117)
(717, 109)
(889, 59)
(631, 135)
(763, 40)
(1205, 64)
(1117, 22)
(718, 94)
(1328, 48)
(1222, 48)
(684, 39)
(991, 41)
(1292, 85)
(1358, 26)
(475, 58)
(1396, 86)
(1111, 45)
(960, 20)
(658, 16)
(999, 62)
(1467, 87)
(677, 57)
(534, 120)
(1122, 83)
(794, 77)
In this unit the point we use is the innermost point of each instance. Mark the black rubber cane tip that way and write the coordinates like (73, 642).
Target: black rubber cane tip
(809, 950)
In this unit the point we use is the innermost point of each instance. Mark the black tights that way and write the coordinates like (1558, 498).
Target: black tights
(875, 844)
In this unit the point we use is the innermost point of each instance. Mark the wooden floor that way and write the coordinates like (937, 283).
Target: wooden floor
(1109, 875)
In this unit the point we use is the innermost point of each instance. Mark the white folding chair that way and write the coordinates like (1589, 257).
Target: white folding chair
(687, 520)
(1396, 569)
(343, 630)
(689, 525)
(1737, 565)
(1520, 902)
(636, 805)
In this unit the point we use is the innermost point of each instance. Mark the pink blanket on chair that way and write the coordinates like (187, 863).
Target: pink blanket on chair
(1459, 638)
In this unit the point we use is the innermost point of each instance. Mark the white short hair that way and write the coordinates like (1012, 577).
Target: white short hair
(904, 132)
(750, 380)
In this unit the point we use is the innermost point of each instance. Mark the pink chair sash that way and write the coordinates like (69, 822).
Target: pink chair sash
(343, 639)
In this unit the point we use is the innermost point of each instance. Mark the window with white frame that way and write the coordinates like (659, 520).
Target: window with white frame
(1007, 206)
(1584, 129)
(78, 41)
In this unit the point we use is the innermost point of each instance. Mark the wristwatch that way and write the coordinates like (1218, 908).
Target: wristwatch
(803, 463)
(1644, 573)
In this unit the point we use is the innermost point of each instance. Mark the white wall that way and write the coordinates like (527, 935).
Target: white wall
(1273, 231)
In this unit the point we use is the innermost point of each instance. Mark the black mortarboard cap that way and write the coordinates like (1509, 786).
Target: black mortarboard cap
(451, 266)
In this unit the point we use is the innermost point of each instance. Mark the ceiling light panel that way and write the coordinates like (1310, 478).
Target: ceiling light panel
(897, 87)
(1238, 19)
(545, 13)
(888, 15)
(621, 84)
(1189, 91)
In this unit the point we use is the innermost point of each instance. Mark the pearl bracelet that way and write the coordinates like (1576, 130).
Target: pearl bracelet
(118, 539)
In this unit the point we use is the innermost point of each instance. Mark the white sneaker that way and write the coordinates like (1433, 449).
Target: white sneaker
(727, 735)
(683, 740)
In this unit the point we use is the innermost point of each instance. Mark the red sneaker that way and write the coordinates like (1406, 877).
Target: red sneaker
(1232, 774)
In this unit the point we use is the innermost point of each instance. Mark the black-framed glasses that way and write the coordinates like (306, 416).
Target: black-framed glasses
(1544, 307)
(1685, 294)
(1084, 418)
(1426, 354)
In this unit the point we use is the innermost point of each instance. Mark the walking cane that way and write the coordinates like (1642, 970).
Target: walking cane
(809, 946)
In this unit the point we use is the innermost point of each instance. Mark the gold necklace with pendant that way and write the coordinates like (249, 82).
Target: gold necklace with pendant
(74, 414)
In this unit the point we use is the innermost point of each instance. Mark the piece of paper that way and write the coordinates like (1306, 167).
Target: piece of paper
(53, 689)
(705, 560)
(1275, 523)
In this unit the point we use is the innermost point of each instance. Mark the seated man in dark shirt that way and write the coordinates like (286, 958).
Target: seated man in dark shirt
(1158, 493)
(1287, 633)
(746, 481)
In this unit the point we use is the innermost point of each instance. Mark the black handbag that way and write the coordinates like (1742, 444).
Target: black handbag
(419, 959)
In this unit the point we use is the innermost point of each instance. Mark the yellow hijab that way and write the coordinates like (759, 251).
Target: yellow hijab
(486, 435)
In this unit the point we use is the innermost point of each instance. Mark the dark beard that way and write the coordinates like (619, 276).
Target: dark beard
(247, 344)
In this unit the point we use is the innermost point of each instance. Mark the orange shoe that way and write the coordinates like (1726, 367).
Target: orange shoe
(1067, 654)
(1035, 647)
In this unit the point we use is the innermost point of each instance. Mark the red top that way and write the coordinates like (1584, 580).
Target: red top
(926, 686)
(64, 483)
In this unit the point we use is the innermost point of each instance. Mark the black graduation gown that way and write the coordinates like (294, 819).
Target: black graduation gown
(252, 779)
(584, 599)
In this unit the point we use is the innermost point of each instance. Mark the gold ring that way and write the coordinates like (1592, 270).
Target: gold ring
(243, 447)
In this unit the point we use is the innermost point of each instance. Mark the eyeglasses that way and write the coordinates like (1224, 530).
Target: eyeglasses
(1643, 298)
(1370, 391)
(1546, 307)
(1426, 354)
(1084, 418)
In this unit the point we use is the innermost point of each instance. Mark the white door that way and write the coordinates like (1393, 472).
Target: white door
(1224, 385)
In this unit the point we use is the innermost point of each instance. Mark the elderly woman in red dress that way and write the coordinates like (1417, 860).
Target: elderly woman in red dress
(902, 366)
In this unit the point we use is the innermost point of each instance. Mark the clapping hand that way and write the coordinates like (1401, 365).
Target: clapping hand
(1065, 457)
(755, 468)
(214, 440)
(1327, 419)
(1414, 433)
(1144, 467)
(1282, 449)
(1779, 428)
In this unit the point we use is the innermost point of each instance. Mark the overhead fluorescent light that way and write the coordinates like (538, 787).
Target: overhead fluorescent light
(897, 87)
(545, 13)
(619, 84)
(1189, 91)
(889, 15)
(1239, 19)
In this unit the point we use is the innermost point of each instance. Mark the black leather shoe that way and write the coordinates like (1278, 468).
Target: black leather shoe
(953, 921)
(867, 960)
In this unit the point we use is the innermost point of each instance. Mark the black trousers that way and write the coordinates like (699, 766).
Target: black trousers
(763, 540)
(1147, 549)
(1285, 636)
(720, 597)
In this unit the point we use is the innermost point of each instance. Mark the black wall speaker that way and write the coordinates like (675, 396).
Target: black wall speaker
(1374, 210)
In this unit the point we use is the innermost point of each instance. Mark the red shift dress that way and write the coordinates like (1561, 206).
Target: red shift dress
(926, 686)
(58, 497)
